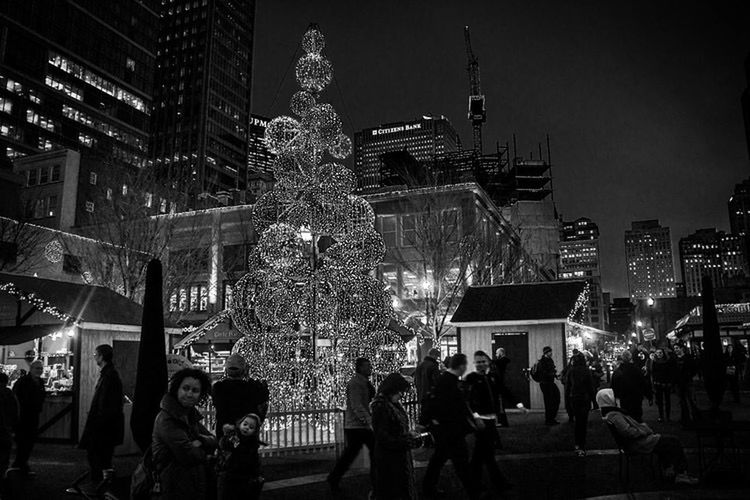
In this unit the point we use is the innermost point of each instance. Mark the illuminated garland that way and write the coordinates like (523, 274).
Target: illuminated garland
(578, 312)
(298, 290)
(40, 304)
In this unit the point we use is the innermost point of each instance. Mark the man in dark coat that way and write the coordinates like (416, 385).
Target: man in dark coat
(8, 421)
(30, 393)
(426, 374)
(451, 420)
(685, 370)
(630, 387)
(105, 425)
(236, 396)
(483, 393)
(550, 392)
(499, 368)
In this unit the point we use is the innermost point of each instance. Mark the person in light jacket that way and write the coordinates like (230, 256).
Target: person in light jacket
(638, 438)
(357, 420)
(181, 444)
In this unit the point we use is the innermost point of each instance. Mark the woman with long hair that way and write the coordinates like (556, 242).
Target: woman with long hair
(393, 469)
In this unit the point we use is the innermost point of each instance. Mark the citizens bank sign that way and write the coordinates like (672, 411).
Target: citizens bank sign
(400, 128)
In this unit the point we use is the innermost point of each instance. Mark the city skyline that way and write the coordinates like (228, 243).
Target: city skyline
(601, 91)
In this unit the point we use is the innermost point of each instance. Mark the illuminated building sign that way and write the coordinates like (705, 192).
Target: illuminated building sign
(258, 122)
(400, 128)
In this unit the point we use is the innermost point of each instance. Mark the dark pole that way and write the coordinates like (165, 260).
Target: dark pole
(713, 363)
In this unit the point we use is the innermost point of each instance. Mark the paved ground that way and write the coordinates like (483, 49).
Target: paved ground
(538, 459)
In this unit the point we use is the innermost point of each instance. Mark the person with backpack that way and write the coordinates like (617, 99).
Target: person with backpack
(579, 390)
(545, 372)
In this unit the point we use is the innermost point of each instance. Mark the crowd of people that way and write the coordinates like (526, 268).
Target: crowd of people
(459, 416)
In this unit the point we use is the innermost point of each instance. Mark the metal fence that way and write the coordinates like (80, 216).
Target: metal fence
(289, 430)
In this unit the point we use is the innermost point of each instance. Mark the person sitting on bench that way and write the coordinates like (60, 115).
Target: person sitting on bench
(638, 438)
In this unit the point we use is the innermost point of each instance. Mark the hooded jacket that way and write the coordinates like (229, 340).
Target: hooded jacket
(182, 467)
(636, 437)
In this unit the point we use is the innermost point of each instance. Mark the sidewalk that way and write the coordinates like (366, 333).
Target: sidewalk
(537, 458)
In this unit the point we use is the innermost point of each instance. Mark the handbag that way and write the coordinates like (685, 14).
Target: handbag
(144, 484)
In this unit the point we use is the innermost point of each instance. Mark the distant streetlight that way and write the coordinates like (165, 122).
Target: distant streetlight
(639, 324)
(650, 302)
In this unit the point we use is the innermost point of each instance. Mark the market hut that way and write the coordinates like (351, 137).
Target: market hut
(61, 323)
(523, 319)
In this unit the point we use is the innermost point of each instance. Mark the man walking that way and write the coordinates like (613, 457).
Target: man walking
(547, 373)
(426, 374)
(483, 390)
(685, 370)
(8, 421)
(499, 368)
(30, 393)
(630, 387)
(105, 425)
(236, 396)
(357, 421)
(451, 420)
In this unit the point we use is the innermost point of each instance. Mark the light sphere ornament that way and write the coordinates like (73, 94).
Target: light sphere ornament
(280, 132)
(281, 247)
(314, 72)
(313, 41)
(341, 147)
(356, 254)
(301, 102)
(358, 218)
(323, 123)
(336, 179)
(270, 208)
(53, 251)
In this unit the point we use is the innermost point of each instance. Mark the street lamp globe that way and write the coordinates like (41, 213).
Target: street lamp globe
(650, 302)
(639, 323)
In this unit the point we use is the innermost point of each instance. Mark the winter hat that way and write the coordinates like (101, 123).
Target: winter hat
(606, 397)
(250, 415)
(235, 364)
(546, 349)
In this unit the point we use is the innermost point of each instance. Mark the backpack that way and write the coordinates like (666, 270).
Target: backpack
(145, 480)
(535, 373)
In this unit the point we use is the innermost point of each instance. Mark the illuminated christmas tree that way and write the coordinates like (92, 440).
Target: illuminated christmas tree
(309, 306)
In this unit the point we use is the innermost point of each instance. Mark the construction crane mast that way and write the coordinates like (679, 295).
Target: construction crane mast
(477, 112)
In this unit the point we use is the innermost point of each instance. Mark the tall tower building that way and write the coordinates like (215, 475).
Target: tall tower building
(579, 259)
(745, 100)
(648, 252)
(202, 92)
(424, 139)
(259, 158)
(77, 75)
(713, 253)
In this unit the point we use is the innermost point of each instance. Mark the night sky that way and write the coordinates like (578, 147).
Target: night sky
(640, 98)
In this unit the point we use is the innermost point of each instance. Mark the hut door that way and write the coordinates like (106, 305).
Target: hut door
(516, 347)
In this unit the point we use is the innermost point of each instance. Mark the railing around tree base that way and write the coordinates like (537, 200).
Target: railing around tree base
(305, 430)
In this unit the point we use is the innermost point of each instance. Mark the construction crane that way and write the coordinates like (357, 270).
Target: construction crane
(477, 112)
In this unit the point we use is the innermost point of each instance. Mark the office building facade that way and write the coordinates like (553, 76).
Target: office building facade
(77, 75)
(579, 259)
(202, 93)
(259, 157)
(709, 252)
(648, 253)
(425, 139)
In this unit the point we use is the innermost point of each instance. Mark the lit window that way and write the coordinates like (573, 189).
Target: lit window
(124, 189)
(86, 140)
(90, 206)
(93, 178)
(6, 106)
(149, 200)
(130, 64)
(109, 193)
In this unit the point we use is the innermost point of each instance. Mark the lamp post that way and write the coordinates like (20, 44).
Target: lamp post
(426, 290)
(651, 302)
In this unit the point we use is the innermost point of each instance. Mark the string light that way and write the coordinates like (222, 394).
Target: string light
(39, 304)
(307, 311)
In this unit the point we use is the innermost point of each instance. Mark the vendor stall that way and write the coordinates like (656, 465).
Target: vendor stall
(523, 319)
(61, 323)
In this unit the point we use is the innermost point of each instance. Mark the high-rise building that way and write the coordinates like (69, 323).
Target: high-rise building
(424, 138)
(746, 103)
(77, 75)
(202, 92)
(714, 253)
(579, 259)
(259, 158)
(648, 252)
(622, 316)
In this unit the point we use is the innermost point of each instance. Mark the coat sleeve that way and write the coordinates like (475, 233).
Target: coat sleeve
(387, 432)
(179, 443)
(624, 427)
(207, 438)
